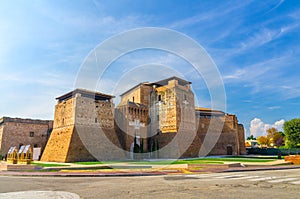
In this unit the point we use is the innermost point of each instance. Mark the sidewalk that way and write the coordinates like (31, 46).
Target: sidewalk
(128, 169)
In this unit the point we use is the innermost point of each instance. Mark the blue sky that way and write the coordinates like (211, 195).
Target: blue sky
(255, 44)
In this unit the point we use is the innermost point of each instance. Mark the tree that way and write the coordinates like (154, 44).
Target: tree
(271, 132)
(292, 132)
(251, 137)
(263, 140)
(275, 137)
(278, 139)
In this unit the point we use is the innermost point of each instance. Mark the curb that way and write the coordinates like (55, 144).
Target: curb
(262, 168)
(161, 173)
(81, 175)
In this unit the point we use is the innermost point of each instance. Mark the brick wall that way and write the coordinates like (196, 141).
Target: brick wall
(16, 131)
(86, 134)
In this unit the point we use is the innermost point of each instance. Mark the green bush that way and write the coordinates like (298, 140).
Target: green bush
(274, 151)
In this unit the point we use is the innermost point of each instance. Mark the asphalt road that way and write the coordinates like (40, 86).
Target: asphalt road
(255, 184)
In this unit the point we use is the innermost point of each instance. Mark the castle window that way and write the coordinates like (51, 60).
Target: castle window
(96, 120)
(159, 97)
(133, 99)
(31, 134)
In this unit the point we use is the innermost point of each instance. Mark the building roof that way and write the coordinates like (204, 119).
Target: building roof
(85, 93)
(209, 111)
(21, 120)
(137, 105)
(165, 81)
(136, 86)
(159, 83)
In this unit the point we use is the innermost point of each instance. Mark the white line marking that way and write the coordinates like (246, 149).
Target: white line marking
(231, 176)
(295, 182)
(265, 178)
(245, 177)
(283, 180)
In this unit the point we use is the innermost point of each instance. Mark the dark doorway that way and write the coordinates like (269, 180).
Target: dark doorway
(229, 150)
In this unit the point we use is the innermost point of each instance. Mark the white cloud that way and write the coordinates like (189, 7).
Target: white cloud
(274, 107)
(259, 75)
(218, 12)
(259, 128)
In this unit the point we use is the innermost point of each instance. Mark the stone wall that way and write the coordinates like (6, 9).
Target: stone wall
(230, 137)
(64, 113)
(172, 106)
(58, 144)
(139, 94)
(90, 112)
(16, 132)
(241, 140)
(2, 151)
(87, 133)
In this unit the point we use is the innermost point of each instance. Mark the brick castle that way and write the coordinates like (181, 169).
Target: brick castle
(153, 120)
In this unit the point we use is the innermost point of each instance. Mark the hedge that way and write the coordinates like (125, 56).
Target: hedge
(273, 151)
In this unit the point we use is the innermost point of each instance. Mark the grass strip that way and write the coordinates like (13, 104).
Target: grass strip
(48, 164)
(87, 163)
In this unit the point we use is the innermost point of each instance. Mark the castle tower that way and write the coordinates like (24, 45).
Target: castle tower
(83, 128)
(157, 112)
(172, 104)
(172, 114)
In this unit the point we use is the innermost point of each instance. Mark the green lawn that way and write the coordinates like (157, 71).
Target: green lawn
(88, 163)
(196, 161)
(210, 160)
(204, 161)
(48, 164)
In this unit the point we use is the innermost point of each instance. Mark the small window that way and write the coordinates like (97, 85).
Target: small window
(35, 145)
(31, 134)
(96, 120)
(159, 97)
(133, 99)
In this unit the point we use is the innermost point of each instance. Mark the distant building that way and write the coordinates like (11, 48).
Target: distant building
(18, 132)
(251, 143)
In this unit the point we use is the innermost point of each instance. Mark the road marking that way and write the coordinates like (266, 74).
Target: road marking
(244, 177)
(202, 175)
(39, 194)
(230, 176)
(283, 180)
(265, 178)
(270, 179)
(295, 182)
